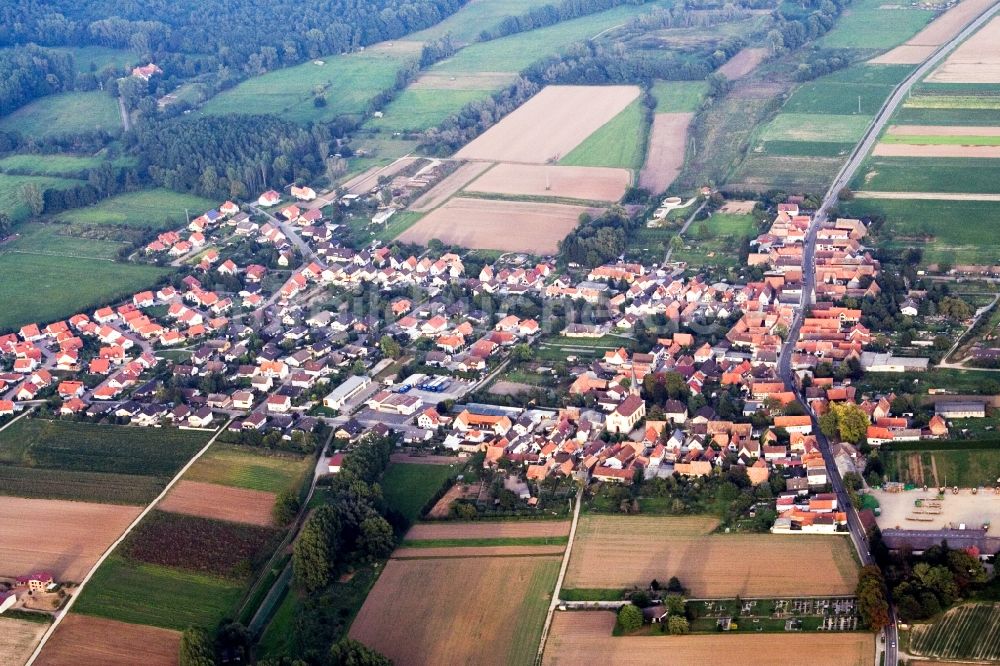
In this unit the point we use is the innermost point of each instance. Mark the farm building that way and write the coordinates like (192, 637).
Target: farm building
(960, 410)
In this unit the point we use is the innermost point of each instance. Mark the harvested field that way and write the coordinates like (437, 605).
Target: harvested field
(448, 186)
(82, 639)
(364, 182)
(18, 639)
(65, 538)
(743, 63)
(711, 565)
(927, 196)
(487, 530)
(937, 32)
(738, 207)
(976, 60)
(942, 130)
(665, 154)
(883, 149)
(512, 226)
(450, 552)
(587, 183)
(210, 500)
(472, 610)
(585, 637)
(550, 124)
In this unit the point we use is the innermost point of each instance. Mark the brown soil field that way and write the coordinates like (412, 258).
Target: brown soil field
(82, 640)
(210, 500)
(587, 183)
(512, 226)
(617, 551)
(927, 196)
(448, 186)
(65, 538)
(510, 388)
(934, 150)
(469, 81)
(579, 637)
(365, 181)
(943, 130)
(458, 491)
(738, 207)
(743, 63)
(475, 610)
(977, 60)
(665, 156)
(18, 639)
(489, 530)
(550, 124)
(937, 32)
(426, 460)
(474, 551)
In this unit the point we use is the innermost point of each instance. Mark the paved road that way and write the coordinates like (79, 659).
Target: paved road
(293, 236)
(842, 180)
(683, 230)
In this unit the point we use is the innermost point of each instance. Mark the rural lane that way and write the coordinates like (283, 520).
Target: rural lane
(562, 574)
(79, 589)
(841, 181)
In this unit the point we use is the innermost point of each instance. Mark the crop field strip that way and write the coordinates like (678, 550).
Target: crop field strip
(82, 639)
(242, 467)
(937, 32)
(18, 639)
(969, 631)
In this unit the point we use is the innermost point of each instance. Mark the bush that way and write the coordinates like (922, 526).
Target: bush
(629, 618)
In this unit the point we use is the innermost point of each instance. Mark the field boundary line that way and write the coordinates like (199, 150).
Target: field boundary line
(17, 418)
(107, 553)
(559, 581)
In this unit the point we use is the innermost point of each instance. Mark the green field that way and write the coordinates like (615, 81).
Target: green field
(59, 164)
(515, 52)
(58, 240)
(157, 596)
(963, 232)
(974, 102)
(65, 113)
(715, 241)
(146, 208)
(620, 142)
(476, 16)
(242, 467)
(348, 82)
(799, 174)
(906, 115)
(12, 201)
(815, 127)
(868, 24)
(928, 174)
(62, 286)
(678, 96)
(417, 109)
(966, 468)
(838, 93)
(88, 447)
(78, 486)
(96, 58)
(968, 631)
(408, 487)
(921, 140)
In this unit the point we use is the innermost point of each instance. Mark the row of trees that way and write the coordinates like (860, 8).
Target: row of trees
(540, 17)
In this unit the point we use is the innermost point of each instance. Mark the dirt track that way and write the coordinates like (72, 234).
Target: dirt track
(448, 186)
(64, 538)
(82, 640)
(550, 124)
(936, 33)
(210, 500)
(512, 226)
(665, 156)
(586, 183)
(584, 637)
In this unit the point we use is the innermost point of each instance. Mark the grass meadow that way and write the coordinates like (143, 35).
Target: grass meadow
(928, 174)
(621, 142)
(11, 199)
(146, 208)
(870, 24)
(417, 109)
(678, 96)
(476, 16)
(242, 467)
(58, 164)
(408, 487)
(65, 113)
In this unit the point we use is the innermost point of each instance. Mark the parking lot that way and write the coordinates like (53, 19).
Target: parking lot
(438, 387)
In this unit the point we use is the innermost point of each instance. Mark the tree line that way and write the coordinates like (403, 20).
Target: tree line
(29, 72)
(546, 15)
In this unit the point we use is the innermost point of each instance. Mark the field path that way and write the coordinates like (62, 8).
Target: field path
(562, 574)
(927, 196)
(61, 615)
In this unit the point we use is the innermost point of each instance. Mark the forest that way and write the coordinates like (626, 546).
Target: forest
(29, 72)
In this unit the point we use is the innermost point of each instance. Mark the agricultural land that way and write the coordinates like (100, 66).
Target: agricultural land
(81, 639)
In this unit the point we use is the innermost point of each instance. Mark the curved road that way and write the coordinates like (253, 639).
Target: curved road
(844, 177)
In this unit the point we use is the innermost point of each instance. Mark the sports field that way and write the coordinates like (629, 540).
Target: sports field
(81, 639)
(619, 552)
(969, 632)
(147, 208)
(551, 124)
(469, 607)
(585, 637)
(65, 113)
(64, 538)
